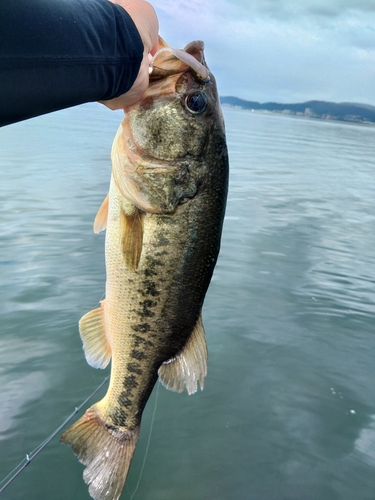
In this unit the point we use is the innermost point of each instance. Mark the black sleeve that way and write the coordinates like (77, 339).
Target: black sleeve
(59, 53)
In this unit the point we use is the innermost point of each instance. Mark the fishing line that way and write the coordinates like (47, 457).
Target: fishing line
(148, 442)
(30, 456)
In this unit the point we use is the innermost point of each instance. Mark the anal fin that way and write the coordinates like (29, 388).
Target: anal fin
(189, 366)
(95, 343)
(131, 236)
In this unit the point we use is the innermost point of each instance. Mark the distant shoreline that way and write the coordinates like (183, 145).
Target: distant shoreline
(329, 111)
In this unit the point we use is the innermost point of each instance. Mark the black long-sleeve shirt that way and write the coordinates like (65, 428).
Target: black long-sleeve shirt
(59, 53)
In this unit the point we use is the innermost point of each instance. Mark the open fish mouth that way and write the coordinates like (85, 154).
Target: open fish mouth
(162, 64)
(201, 71)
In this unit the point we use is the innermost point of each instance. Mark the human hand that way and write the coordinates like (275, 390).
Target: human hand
(144, 17)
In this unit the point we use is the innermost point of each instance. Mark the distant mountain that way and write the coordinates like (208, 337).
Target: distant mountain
(345, 111)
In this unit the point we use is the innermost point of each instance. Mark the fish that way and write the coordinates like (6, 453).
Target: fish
(163, 218)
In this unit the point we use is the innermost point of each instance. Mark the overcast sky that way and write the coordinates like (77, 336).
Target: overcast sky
(280, 50)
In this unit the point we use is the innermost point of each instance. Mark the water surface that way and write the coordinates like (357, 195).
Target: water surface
(288, 410)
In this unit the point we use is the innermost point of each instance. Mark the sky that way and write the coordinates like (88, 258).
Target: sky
(280, 50)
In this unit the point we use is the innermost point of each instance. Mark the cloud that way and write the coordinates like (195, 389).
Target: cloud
(281, 49)
(296, 9)
(357, 32)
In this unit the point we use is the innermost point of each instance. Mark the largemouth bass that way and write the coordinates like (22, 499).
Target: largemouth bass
(163, 218)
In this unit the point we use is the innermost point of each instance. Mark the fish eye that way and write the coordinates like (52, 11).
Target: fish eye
(196, 103)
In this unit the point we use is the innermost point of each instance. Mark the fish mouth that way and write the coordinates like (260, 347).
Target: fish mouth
(169, 61)
(191, 56)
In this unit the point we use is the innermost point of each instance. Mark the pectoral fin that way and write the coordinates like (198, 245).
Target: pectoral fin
(189, 366)
(100, 222)
(95, 343)
(131, 236)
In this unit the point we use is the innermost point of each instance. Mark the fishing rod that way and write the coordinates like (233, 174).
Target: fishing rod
(30, 456)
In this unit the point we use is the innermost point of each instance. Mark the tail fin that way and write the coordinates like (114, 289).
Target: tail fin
(106, 453)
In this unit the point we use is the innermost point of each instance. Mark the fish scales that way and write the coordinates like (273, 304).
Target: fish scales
(156, 305)
(163, 218)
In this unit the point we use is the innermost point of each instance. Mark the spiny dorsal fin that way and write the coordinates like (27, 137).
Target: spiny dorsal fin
(131, 237)
(100, 222)
(189, 366)
(95, 343)
(106, 452)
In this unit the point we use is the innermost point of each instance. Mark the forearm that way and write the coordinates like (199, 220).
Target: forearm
(60, 53)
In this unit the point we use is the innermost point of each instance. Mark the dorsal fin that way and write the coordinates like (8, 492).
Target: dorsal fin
(189, 365)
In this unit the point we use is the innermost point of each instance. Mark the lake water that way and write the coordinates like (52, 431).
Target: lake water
(288, 410)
